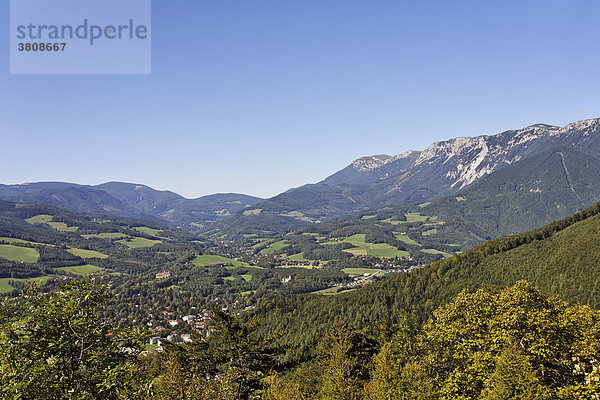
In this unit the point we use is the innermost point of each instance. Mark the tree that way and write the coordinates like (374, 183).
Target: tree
(56, 346)
(345, 360)
(504, 344)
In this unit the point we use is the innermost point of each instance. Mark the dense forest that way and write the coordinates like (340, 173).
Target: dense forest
(513, 343)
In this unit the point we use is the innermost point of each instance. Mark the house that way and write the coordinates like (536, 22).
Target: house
(163, 275)
(173, 337)
(186, 337)
(155, 340)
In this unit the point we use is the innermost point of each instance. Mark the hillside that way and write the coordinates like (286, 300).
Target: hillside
(131, 201)
(417, 177)
(169, 206)
(521, 197)
(561, 258)
(70, 196)
(41, 243)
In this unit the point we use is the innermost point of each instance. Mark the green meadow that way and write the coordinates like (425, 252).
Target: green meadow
(359, 271)
(416, 217)
(21, 241)
(362, 248)
(6, 288)
(106, 235)
(434, 251)
(47, 219)
(211, 259)
(252, 212)
(405, 239)
(86, 253)
(136, 242)
(297, 257)
(430, 232)
(275, 247)
(147, 230)
(81, 269)
(17, 253)
(40, 219)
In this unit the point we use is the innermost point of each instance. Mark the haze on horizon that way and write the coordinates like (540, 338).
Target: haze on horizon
(258, 98)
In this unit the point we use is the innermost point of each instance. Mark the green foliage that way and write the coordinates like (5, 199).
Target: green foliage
(56, 346)
(344, 358)
(232, 364)
(489, 344)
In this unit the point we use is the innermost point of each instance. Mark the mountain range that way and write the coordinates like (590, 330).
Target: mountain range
(130, 200)
(505, 183)
(447, 169)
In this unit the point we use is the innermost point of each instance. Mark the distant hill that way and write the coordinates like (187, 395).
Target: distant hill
(129, 200)
(175, 208)
(70, 196)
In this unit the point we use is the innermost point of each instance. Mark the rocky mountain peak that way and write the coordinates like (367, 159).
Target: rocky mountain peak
(371, 162)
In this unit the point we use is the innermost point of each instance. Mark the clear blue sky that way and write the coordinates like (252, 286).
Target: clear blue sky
(260, 96)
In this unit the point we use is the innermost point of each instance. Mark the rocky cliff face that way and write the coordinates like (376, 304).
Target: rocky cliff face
(453, 164)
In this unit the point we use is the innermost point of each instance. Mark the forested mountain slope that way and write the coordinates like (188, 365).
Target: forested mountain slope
(521, 197)
(561, 258)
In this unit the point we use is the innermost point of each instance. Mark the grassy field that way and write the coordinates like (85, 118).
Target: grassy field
(332, 291)
(16, 253)
(252, 212)
(327, 292)
(385, 250)
(434, 251)
(107, 235)
(211, 259)
(405, 239)
(430, 232)
(362, 248)
(148, 231)
(62, 227)
(229, 278)
(416, 217)
(87, 253)
(356, 240)
(274, 247)
(357, 251)
(359, 271)
(422, 205)
(299, 266)
(247, 277)
(13, 240)
(135, 242)
(47, 219)
(460, 198)
(392, 221)
(81, 269)
(40, 219)
(293, 214)
(6, 288)
(297, 257)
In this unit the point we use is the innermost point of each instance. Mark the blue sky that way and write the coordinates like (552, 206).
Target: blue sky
(260, 96)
